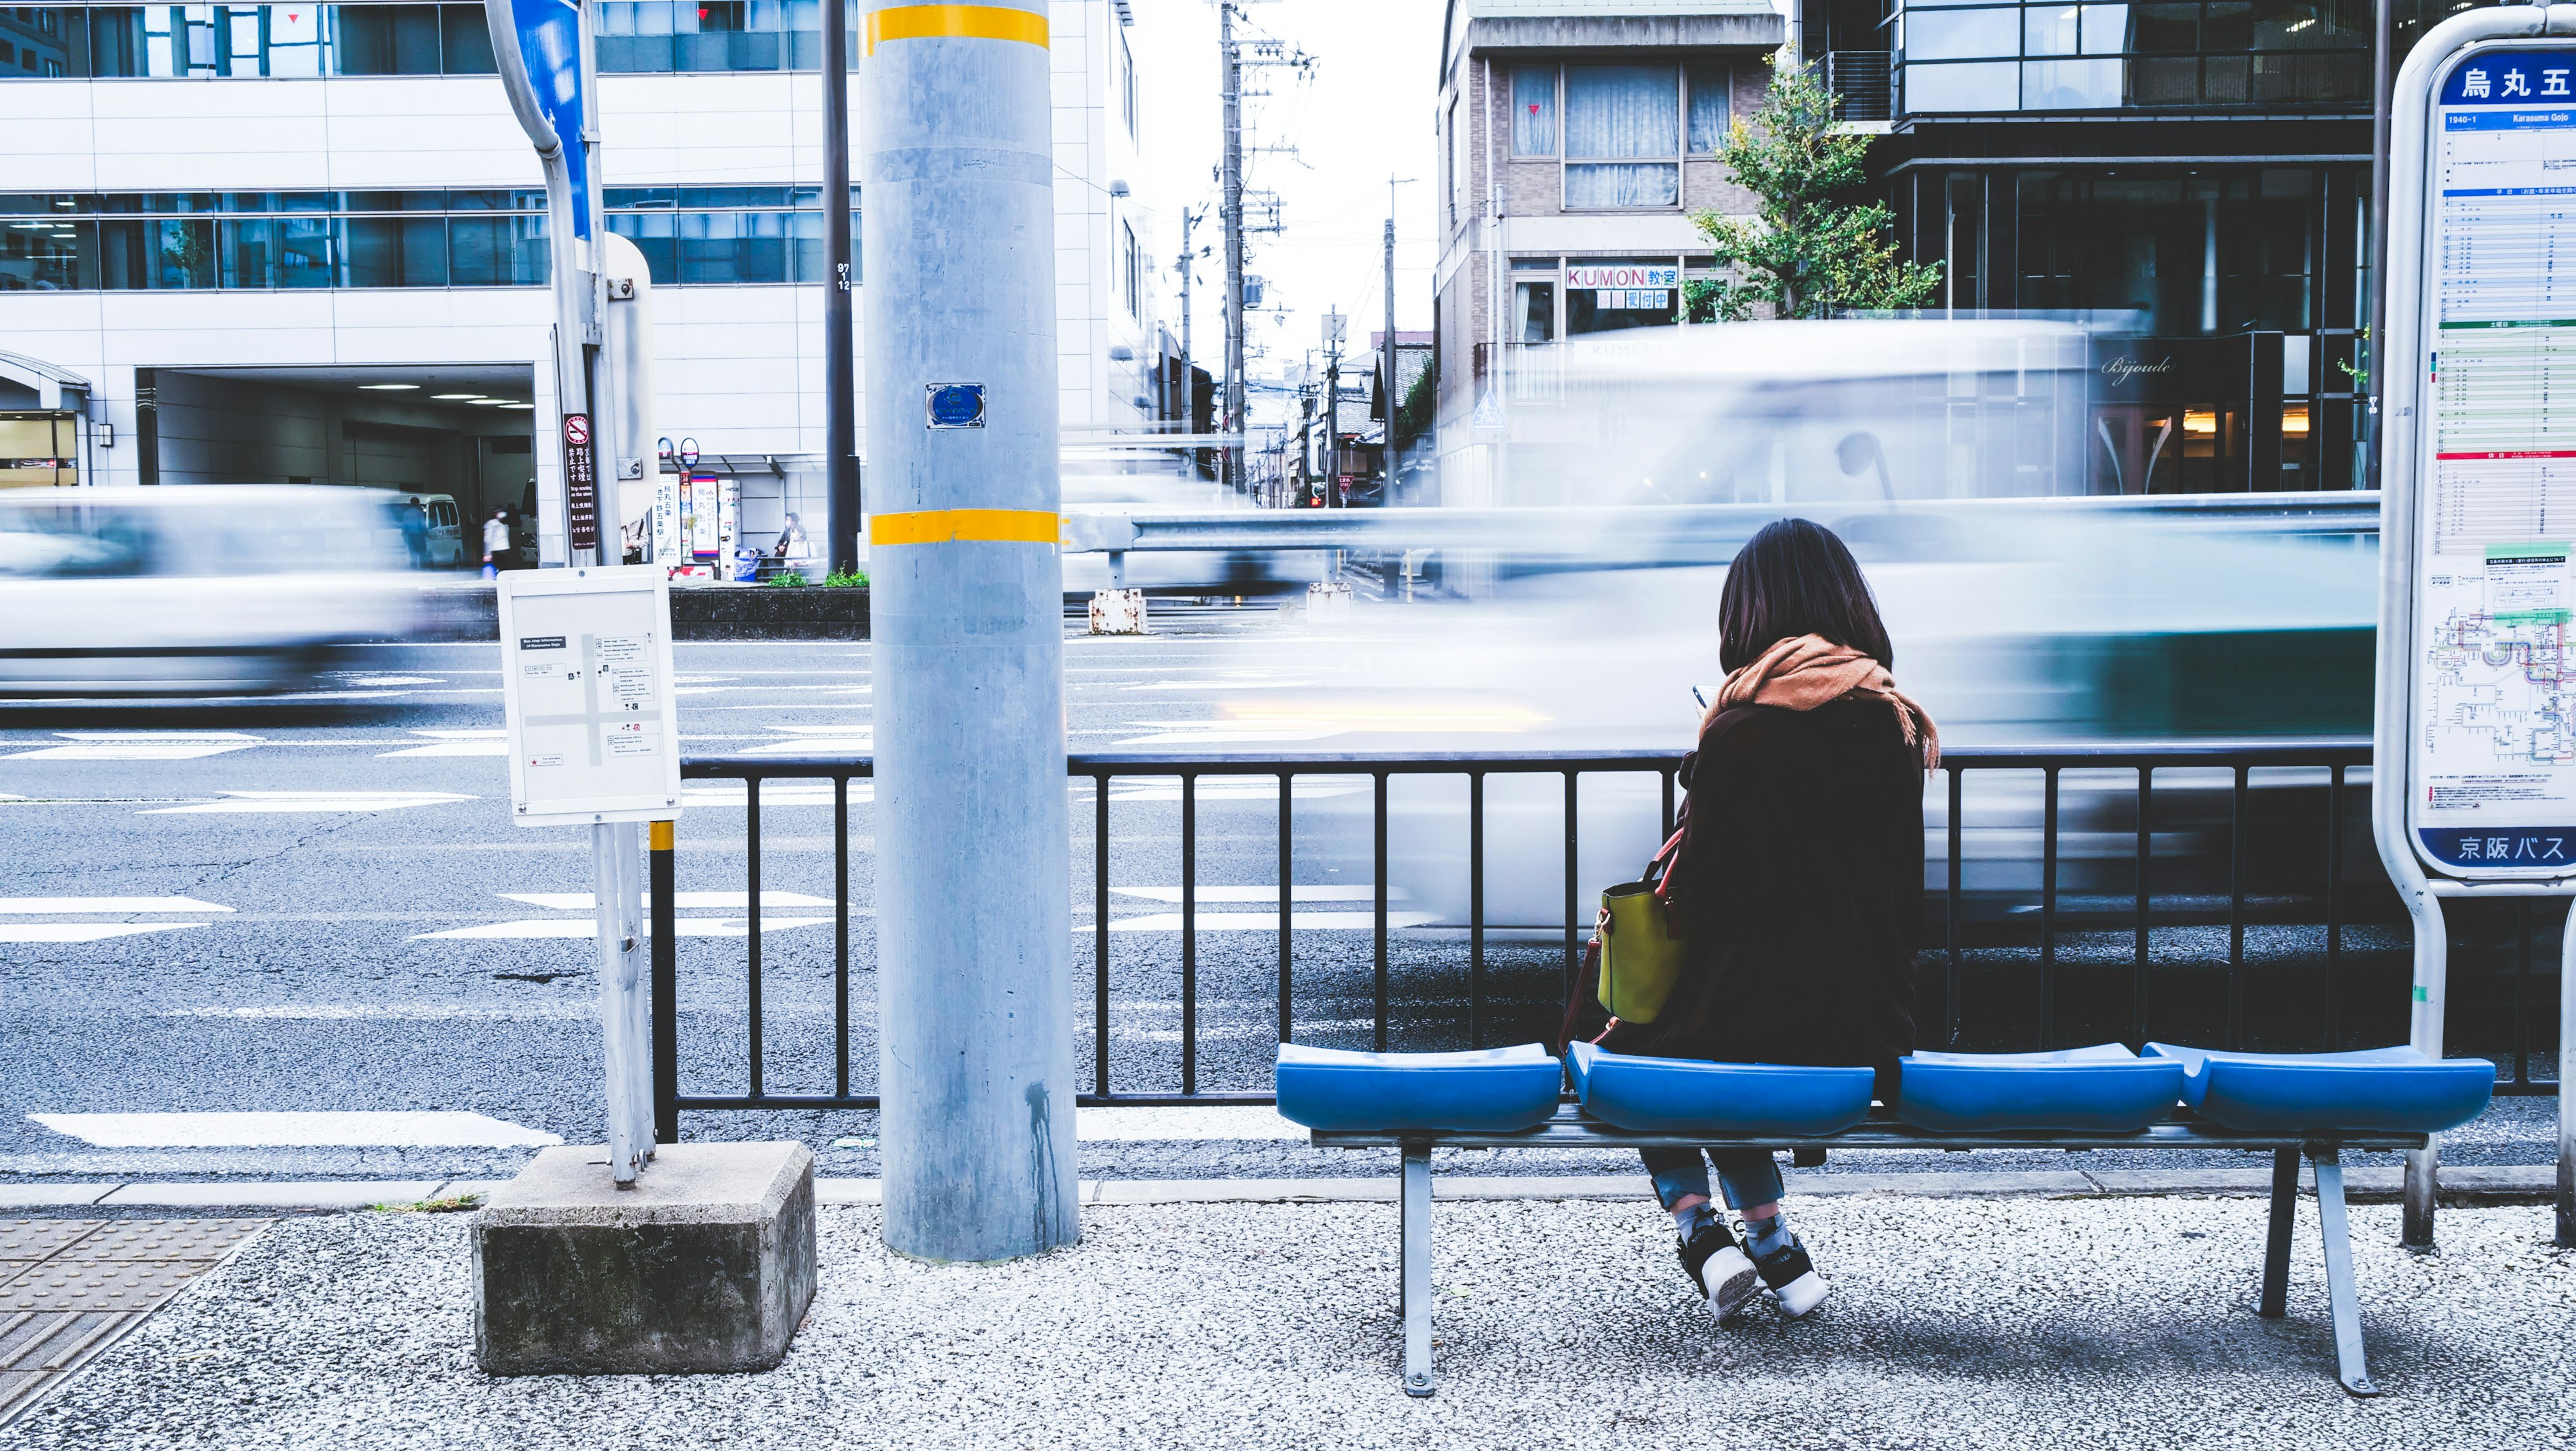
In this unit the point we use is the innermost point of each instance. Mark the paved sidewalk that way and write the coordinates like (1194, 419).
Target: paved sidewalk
(2011, 1322)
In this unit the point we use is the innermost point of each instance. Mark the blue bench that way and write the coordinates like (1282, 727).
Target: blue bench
(2106, 1097)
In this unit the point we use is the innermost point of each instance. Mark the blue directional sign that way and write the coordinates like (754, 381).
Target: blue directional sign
(549, 33)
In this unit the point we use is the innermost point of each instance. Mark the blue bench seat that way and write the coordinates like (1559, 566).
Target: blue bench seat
(1690, 1095)
(1491, 1090)
(2104, 1089)
(2373, 1090)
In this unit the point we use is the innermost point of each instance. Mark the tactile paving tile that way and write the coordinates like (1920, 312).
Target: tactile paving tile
(165, 1239)
(34, 1344)
(121, 1285)
(36, 1239)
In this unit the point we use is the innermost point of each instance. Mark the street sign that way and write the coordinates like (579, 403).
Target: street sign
(2490, 474)
(581, 483)
(586, 690)
(548, 41)
(688, 453)
(2473, 759)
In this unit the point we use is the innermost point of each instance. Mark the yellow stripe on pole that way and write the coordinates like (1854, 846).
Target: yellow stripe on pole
(969, 526)
(662, 834)
(927, 22)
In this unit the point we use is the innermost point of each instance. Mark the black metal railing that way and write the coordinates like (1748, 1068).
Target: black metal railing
(2334, 877)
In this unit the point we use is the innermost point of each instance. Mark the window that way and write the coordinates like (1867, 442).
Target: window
(1534, 110)
(211, 41)
(1131, 272)
(1457, 166)
(2069, 56)
(1616, 117)
(1709, 87)
(1124, 80)
(1534, 311)
(417, 238)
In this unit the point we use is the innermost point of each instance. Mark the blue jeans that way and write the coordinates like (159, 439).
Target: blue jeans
(1748, 1176)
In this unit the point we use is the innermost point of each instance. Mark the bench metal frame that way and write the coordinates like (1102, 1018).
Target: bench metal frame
(1569, 1129)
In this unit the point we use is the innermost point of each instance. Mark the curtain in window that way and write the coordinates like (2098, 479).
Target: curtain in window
(1620, 111)
(1708, 107)
(1633, 184)
(1534, 110)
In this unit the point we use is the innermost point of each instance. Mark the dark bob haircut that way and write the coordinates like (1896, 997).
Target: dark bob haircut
(1795, 578)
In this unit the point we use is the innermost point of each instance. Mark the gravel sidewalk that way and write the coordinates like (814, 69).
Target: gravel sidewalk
(2010, 1322)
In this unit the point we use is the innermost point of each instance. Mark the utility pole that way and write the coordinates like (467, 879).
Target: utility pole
(975, 1046)
(1230, 213)
(1334, 326)
(840, 390)
(1394, 393)
(1189, 393)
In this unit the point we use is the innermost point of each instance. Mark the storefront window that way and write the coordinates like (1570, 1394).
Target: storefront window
(1612, 296)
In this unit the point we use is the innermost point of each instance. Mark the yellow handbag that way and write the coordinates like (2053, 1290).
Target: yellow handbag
(1641, 942)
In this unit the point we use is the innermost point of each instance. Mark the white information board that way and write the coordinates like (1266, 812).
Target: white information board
(2493, 729)
(586, 684)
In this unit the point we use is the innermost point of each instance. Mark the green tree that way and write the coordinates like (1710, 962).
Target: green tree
(1805, 253)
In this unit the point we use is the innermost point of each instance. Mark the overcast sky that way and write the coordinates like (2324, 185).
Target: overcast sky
(1363, 113)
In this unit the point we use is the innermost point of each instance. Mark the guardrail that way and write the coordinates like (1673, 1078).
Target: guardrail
(2337, 904)
(1686, 528)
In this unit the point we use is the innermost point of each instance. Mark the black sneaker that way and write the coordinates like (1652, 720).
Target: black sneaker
(1725, 1275)
(1791, 1276)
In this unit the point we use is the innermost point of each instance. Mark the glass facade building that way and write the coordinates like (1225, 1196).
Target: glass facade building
(447, 237)
(227, 41)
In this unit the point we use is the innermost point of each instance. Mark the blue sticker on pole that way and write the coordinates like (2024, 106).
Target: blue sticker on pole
(956, 405)
(549, 33)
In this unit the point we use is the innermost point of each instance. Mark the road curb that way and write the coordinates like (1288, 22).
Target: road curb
(2462, 1186)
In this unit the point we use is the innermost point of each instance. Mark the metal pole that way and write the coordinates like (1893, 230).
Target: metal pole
(2567, 1082)
(2375, 305)
(974, 926)
(1231, 216)
(617, 888)
(840, 386)
(1333, 411)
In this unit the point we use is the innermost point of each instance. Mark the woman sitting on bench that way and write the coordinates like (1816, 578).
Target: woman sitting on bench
(1800, 883)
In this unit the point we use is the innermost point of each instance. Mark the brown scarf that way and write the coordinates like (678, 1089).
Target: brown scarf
(1810, 671)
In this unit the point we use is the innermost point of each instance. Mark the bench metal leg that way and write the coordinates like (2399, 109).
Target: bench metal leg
(1416, 1199)
(2276, 1250)
(2350, 1367)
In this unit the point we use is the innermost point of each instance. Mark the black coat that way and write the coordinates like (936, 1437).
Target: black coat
(1801, 887)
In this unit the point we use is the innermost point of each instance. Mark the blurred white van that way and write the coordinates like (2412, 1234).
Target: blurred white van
(442, 544)
(194, 591)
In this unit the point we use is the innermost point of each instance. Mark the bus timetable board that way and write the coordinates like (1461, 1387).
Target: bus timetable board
(2493, 732)
(586, 686)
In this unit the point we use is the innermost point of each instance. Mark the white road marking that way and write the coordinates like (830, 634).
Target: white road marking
(140, 746)
(1268, 922)
(238, 802)
(83, 931)
(422, 1128)
(457, 743)
(399, 1012)
(1210, 736)
(384, 680)
(1215, 1121)
(534, 928)
(1254, 790)
(772, 793)
(61, 906)
(1345, 893)
(816, 746)
(585, 902)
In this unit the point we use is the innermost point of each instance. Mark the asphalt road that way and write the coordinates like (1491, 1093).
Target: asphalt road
(320, 906)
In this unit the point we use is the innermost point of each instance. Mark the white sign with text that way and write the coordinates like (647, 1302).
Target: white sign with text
(586, 684)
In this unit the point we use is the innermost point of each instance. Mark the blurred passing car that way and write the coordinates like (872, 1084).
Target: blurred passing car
(193, 591)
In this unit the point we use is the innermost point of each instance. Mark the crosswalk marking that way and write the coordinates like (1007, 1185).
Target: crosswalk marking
(1214, 1121)
(83, 931)
(423, 1128)
(586, 902)
(457, 743)
(258, 802)
(772, 793)
(536, 928)
(139, 746)
(1361, 892)
(1268, 922)
(64, 906)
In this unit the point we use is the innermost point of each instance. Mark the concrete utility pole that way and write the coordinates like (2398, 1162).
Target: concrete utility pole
(1188, 264)
(974, 929)
(1334, 324)
(1230, 214)
(840, 391)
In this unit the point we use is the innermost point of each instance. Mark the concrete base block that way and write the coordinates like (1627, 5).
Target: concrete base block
(706, 1265)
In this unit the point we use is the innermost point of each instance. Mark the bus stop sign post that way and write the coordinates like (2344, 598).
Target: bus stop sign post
(594, 739)
(2474, 761)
